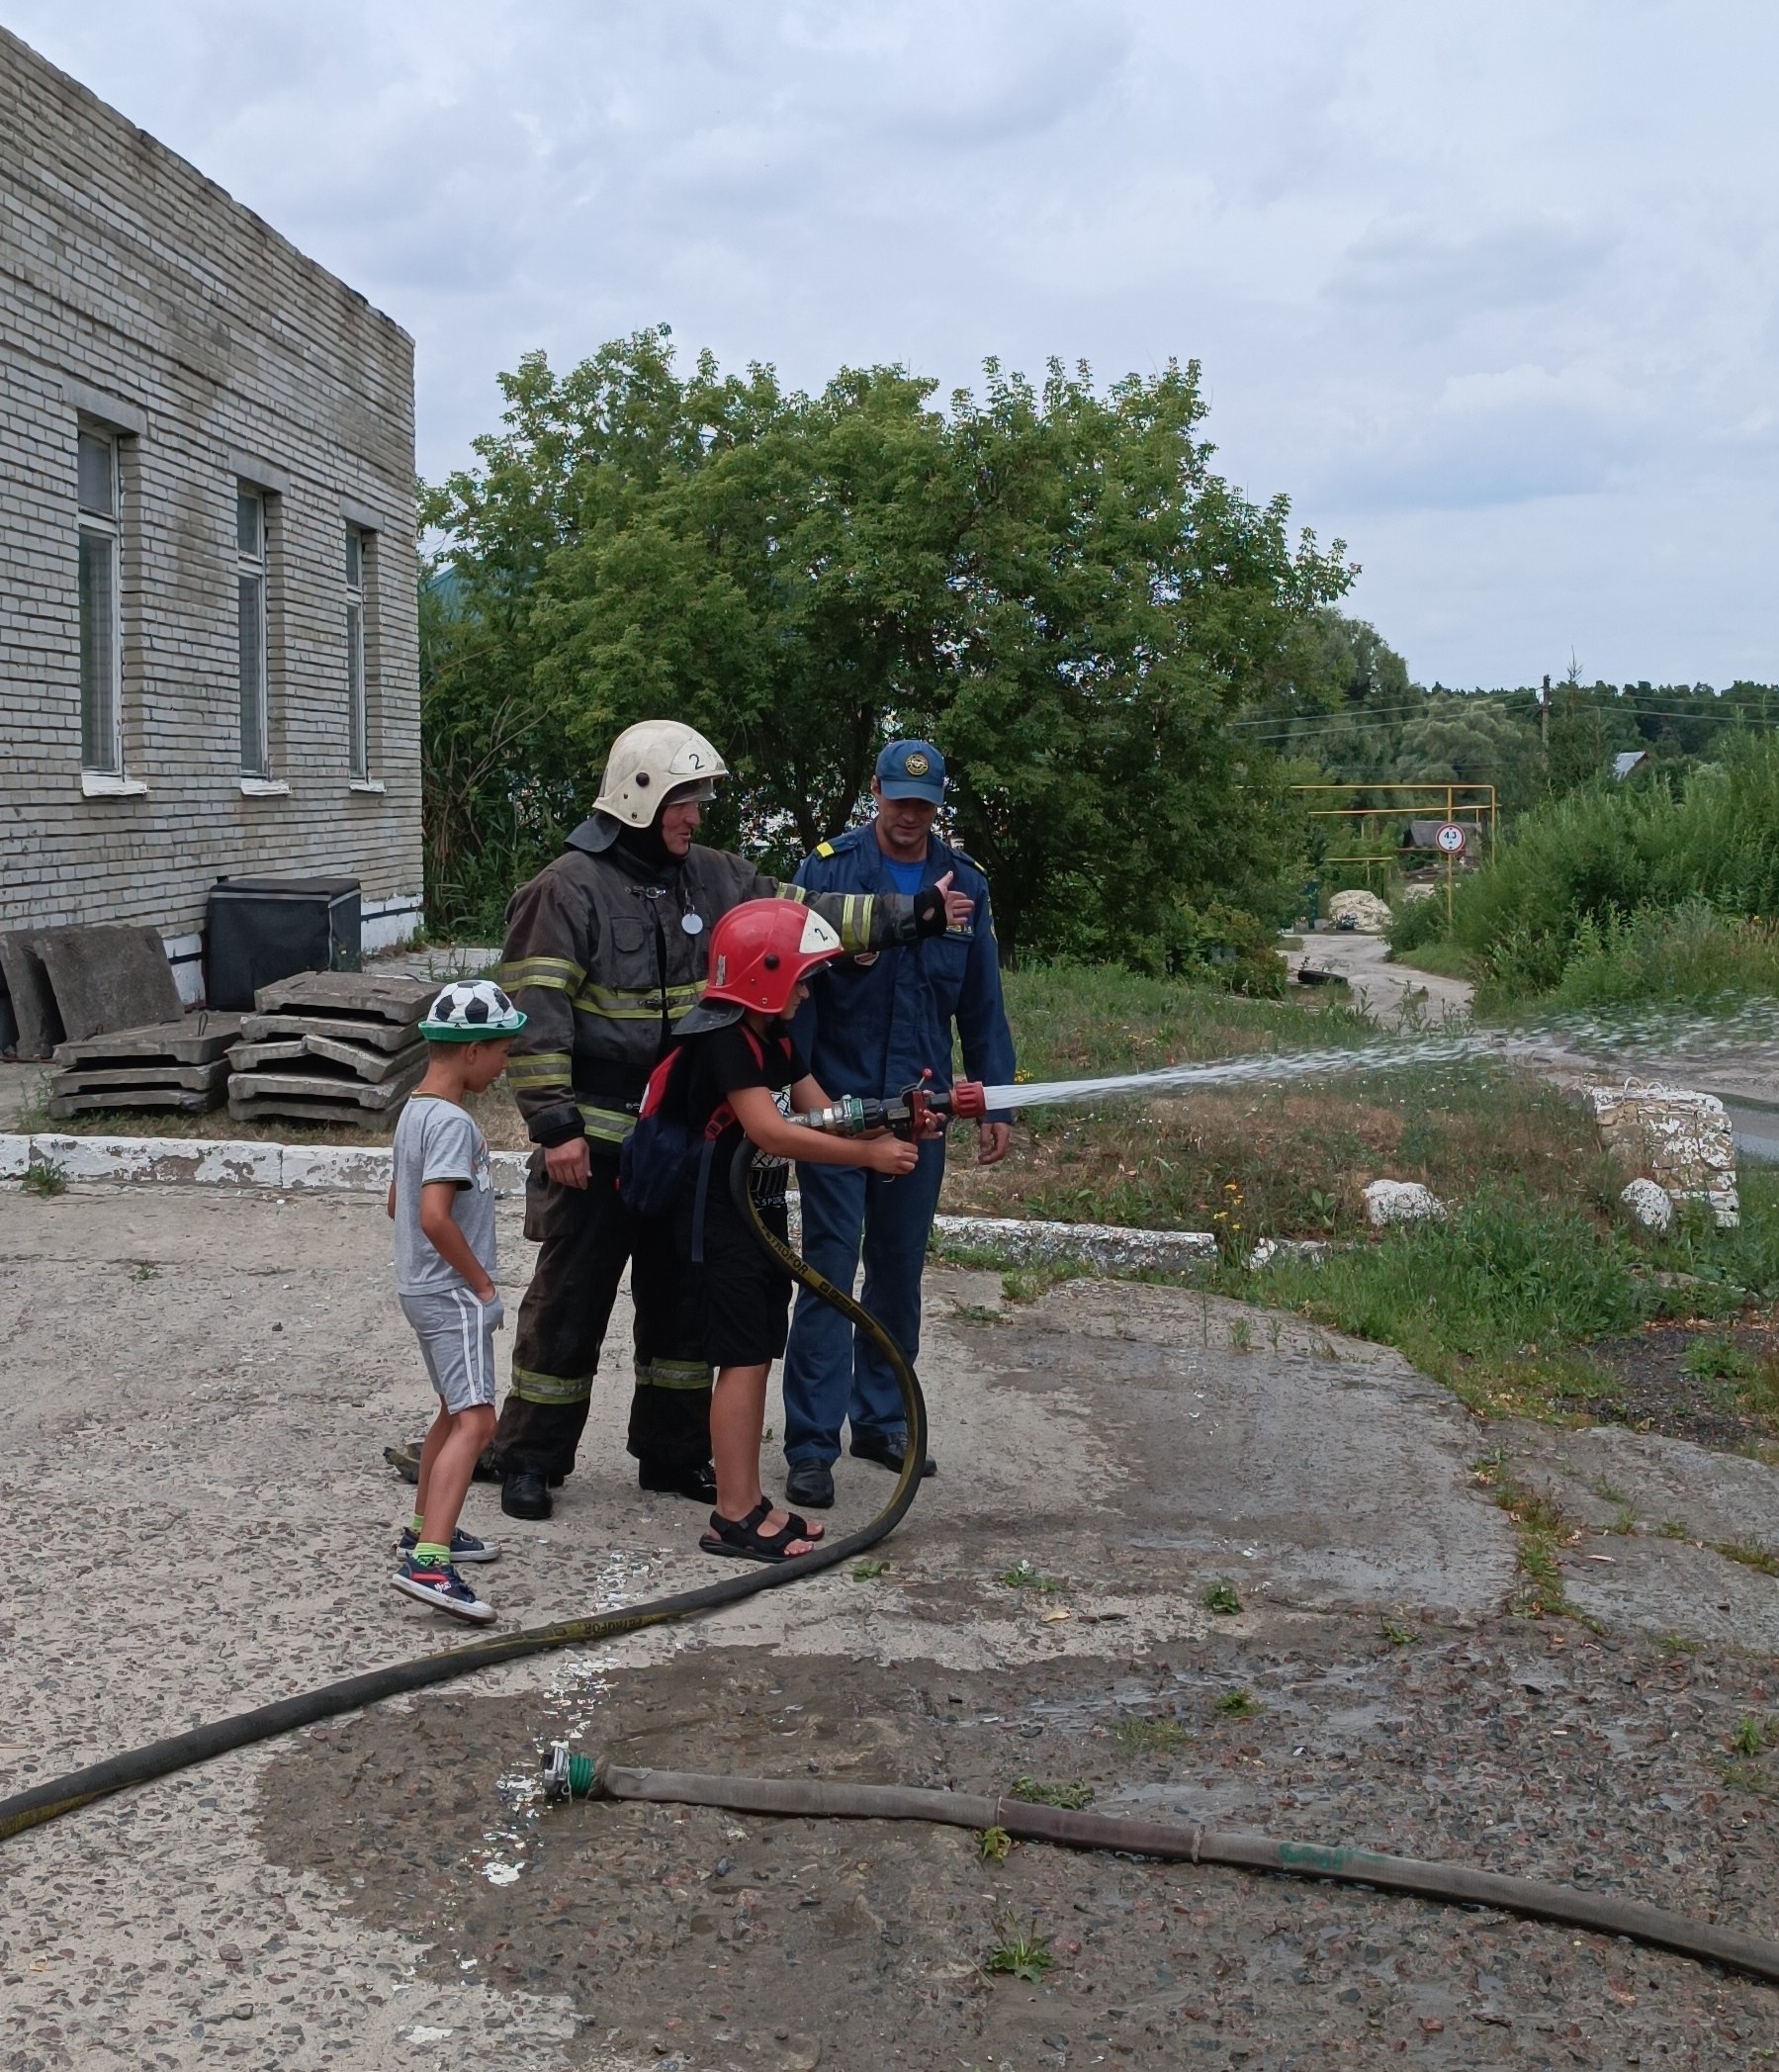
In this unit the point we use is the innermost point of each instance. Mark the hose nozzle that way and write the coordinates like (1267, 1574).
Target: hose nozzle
(907, 1114)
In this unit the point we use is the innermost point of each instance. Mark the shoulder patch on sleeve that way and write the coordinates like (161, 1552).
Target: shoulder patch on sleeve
(823, 849)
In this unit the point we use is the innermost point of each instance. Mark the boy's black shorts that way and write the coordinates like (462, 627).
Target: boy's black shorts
(739, 1298)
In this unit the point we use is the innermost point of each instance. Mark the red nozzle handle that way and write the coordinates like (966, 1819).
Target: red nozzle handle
(969, 1100)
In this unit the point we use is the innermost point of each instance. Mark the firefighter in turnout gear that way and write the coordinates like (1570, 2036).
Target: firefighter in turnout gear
(606, 950)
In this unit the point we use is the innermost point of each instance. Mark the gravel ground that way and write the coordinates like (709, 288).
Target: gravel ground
(199, 1388)
(698, 1939)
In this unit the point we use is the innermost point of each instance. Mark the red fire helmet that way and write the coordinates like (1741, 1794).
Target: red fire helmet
(760, 949)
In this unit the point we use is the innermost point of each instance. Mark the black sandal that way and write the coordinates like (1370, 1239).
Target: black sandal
(741, 1539)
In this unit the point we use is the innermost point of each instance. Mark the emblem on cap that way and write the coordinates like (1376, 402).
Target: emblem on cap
(916, 765)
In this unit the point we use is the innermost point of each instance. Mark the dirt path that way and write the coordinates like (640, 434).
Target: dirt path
(200, 1386)
(1395, 996)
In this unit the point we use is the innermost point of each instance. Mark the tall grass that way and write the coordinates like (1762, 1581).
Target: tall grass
(1501, 1299)
(1628, 891)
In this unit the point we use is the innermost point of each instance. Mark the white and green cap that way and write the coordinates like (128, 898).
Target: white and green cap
(471, 1010)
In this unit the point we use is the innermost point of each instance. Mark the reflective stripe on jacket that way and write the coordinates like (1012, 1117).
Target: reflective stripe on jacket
(599, 955)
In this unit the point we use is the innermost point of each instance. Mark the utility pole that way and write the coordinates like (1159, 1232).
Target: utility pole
(1543, 718)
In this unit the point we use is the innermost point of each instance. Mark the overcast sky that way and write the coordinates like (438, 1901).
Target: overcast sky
(1487, 291)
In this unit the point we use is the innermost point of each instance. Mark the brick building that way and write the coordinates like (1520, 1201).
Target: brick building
(209, 657)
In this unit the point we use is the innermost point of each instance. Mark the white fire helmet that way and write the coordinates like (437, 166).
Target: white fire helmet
(649, 761)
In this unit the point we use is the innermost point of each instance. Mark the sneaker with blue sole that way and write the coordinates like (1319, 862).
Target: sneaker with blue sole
(465, 1546)
(441, 1586)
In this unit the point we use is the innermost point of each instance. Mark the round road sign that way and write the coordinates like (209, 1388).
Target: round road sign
(1449, 839)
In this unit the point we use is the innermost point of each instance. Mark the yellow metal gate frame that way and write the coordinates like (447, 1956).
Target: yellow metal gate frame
(1465, 804)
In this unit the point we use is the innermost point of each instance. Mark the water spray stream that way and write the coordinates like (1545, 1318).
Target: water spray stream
(1602, 1043)
(1266, 1066)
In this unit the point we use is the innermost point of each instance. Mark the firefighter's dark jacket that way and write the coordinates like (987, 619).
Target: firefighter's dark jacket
(605, 954)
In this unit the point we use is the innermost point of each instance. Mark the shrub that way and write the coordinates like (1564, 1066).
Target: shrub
(1624, 892)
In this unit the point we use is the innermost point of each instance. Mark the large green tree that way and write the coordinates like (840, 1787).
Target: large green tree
(1050, 580)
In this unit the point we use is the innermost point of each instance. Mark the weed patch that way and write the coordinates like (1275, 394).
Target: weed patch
(46, 1177)
(1237, 1704)
(1036, 1791)
(1540, 1527)
(1020, 1954)
(1719, 1359)
(1022, 1576)
(1751, 1736)
(1750, 1554)
(1221, 1598)
(1025, 1284)
(1151, 1737)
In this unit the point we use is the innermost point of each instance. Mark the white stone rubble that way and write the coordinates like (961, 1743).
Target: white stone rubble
(1400, 1201)
(1648, 1205)
(1369, 913)
(1679, 1140)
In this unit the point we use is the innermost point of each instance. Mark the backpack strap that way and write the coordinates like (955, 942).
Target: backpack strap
(720, 1119)
(706, 1159)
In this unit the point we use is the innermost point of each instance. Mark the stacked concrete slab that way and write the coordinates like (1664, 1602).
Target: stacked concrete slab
(178, 1064)
(70, 983)
(330, 1046)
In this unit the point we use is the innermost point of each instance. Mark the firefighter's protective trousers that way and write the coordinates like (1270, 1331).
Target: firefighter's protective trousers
(586, 1235)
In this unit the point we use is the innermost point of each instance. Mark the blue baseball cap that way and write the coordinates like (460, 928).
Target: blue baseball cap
(912, 770)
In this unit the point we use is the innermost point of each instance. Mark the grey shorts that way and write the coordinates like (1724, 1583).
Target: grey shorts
(457, 1342)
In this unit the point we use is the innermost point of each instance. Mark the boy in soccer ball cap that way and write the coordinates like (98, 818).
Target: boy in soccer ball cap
(442, 1201)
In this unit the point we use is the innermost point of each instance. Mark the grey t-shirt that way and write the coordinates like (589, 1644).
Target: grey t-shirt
(438, 1141)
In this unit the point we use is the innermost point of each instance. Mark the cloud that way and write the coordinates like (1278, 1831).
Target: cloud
(1460, 280)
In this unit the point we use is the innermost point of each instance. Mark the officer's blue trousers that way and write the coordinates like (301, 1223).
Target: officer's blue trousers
(828, 1377)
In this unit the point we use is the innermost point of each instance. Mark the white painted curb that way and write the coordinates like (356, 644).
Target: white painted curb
(188, 1161)
(197, 1162)
(1106, 1245)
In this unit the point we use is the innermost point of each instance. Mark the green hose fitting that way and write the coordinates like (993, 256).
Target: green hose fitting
(567, 1776)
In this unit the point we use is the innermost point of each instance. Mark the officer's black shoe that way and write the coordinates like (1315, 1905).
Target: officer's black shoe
(886, 1452)
(699, 1484)
(810, 1483)
(525, 1494)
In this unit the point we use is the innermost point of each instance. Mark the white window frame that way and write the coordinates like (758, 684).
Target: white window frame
(252, 573)
(358, 699)
(102, 741)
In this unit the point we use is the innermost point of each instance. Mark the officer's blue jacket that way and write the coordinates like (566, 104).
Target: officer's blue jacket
(873, 1025)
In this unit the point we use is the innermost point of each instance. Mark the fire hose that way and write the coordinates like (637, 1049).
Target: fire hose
(913, 1114)
(580, 1776)
(240, 1730)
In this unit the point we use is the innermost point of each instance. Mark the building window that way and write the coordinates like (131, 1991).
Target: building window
(250, 593)
(101, 643)
(358, 729)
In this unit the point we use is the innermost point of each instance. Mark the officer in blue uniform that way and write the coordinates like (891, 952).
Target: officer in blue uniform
(870, 1027)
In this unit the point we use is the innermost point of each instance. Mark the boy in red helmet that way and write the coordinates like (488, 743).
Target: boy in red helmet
(734, 1061)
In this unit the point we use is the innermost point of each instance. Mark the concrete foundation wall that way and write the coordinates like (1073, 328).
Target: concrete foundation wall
(134, 293)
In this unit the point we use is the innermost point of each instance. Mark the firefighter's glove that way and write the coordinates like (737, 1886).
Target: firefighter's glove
(937, 908)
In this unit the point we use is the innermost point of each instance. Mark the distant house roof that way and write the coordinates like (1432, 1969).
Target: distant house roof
(1623, 766)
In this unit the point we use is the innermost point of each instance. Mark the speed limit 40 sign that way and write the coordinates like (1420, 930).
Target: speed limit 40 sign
(1449, 839)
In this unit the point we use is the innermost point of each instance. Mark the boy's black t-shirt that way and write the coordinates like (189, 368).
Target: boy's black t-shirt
(723, 1062)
